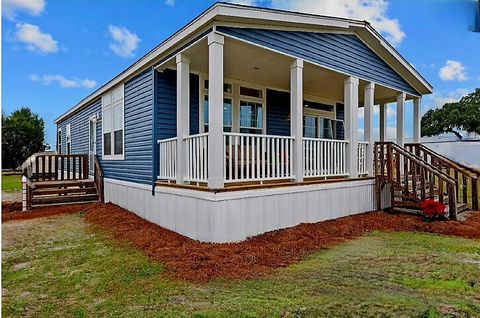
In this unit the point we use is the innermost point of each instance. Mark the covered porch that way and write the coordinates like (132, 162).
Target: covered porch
(270, 117)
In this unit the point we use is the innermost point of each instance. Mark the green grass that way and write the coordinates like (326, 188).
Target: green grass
(57, 267)
(12, 183)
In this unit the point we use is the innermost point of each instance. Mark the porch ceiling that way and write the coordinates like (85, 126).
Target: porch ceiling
(256, 65)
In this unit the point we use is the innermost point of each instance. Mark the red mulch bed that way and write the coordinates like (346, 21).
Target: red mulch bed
(190, 260)
(13, 211)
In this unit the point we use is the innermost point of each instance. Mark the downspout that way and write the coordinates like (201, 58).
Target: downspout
(155, 154)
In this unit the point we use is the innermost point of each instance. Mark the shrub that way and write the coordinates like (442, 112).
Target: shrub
(433, 210)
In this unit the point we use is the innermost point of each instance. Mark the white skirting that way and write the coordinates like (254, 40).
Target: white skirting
(235, 216)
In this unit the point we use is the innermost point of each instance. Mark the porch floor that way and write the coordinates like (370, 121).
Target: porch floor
(257, 185)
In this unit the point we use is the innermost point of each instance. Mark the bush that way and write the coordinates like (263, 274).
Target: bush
(433, 210)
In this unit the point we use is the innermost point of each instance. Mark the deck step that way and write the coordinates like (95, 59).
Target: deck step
(64, 198)
(63, 183)
(52, 191)
(61, 203)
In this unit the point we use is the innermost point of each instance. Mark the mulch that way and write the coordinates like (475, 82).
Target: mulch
(193, 261)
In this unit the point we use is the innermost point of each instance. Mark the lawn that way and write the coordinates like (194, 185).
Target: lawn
(61, 266)
(12, 182)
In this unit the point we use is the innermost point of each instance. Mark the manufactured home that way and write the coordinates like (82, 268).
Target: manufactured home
(245, 121)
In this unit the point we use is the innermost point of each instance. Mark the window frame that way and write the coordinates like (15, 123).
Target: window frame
(226, 95)
(59, 141)
(68, 139)
(121, 101)
(251, 99)
(321, 114)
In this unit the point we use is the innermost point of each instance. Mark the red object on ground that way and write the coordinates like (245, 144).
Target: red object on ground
(432, 208)
(193, 261)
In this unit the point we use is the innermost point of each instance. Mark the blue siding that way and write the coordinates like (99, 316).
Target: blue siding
(137, 165)
(278, 113)
(342, 52)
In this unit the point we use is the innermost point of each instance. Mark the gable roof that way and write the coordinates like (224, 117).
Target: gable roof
(222, 12)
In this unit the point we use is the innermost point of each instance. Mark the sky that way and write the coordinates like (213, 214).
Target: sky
(55, 53)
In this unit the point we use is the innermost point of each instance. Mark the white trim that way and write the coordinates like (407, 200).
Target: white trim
(59, 145)
(92, 121)
(120, 88)
(68, 139)
(221, 12)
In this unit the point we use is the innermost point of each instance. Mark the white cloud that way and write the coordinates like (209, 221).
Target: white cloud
(12, 7)
(374, 11)
(246, 2)
(170, 2)
(437, 100)
(391, 112)
(63, 82)
(124, 42)
(391, 133)
(453, 70)
(35, 39)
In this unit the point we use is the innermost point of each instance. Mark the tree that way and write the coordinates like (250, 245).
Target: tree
(23, 134)
(463, 115)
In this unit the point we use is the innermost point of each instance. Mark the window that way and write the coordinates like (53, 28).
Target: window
(59, 141)
(227, 107)
(112, 124)
(69, 139)
(310, 126)
(251, 117)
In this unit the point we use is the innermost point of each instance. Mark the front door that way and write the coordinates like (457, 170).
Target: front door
(92, 144)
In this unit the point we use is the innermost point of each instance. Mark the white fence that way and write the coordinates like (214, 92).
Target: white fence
(324, 157)
(362, 157)
(168, 159)
(197, 158)
(250, 157)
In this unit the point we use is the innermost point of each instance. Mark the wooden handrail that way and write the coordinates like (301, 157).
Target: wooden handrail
(466, 178)
(98, 179)
(391, 160)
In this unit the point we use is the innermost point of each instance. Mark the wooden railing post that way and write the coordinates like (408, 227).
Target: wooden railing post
(475, 194)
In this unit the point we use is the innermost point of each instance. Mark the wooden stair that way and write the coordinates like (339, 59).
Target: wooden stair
(417, 173)
(56, 192)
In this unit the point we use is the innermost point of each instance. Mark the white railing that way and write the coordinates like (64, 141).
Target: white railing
(324, 157)
(197, 158)
(250, 157)
(168, 159)
(362, 157)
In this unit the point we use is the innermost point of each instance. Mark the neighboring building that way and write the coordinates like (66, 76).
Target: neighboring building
(245, 121)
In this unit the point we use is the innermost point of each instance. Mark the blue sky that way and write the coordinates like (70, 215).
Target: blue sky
(57, 52)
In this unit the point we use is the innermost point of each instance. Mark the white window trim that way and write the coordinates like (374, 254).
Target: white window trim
(68, 138)
(235, 97)
(112, 156)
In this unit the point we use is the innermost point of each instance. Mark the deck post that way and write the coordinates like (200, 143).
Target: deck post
(401, 119)
(296, 122)
(383, 121)
(351, 125)
(183, 114)
(216, 153)
(368, 117)
(417, 102)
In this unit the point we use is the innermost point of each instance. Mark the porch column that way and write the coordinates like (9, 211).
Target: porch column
(368, 119)
(215, 111)
(401, 119)
(351, 125)
(296, 117)
(417, 102)
(183, 114)
(383, 121)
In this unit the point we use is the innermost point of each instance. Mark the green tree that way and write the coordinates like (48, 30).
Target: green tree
(463, 115)
(23, 134)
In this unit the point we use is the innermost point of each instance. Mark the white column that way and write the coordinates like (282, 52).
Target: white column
(383, 121)
(351, 125)
(369, 101)
(183, 114)
(417, 102)
(215, 111)
(401, 119)
(296, 116)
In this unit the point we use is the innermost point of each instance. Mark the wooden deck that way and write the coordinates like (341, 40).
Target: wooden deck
(255, 185)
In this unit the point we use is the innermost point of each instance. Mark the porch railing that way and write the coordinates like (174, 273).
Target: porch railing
(324, 157)
(197, 158)
(168, 159)
(250, 157)
(362, 157)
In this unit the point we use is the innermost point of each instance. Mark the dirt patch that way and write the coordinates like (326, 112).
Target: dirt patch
(199, 262)
(13, 211)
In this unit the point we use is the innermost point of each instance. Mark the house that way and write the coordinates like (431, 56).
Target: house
(245, 121)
